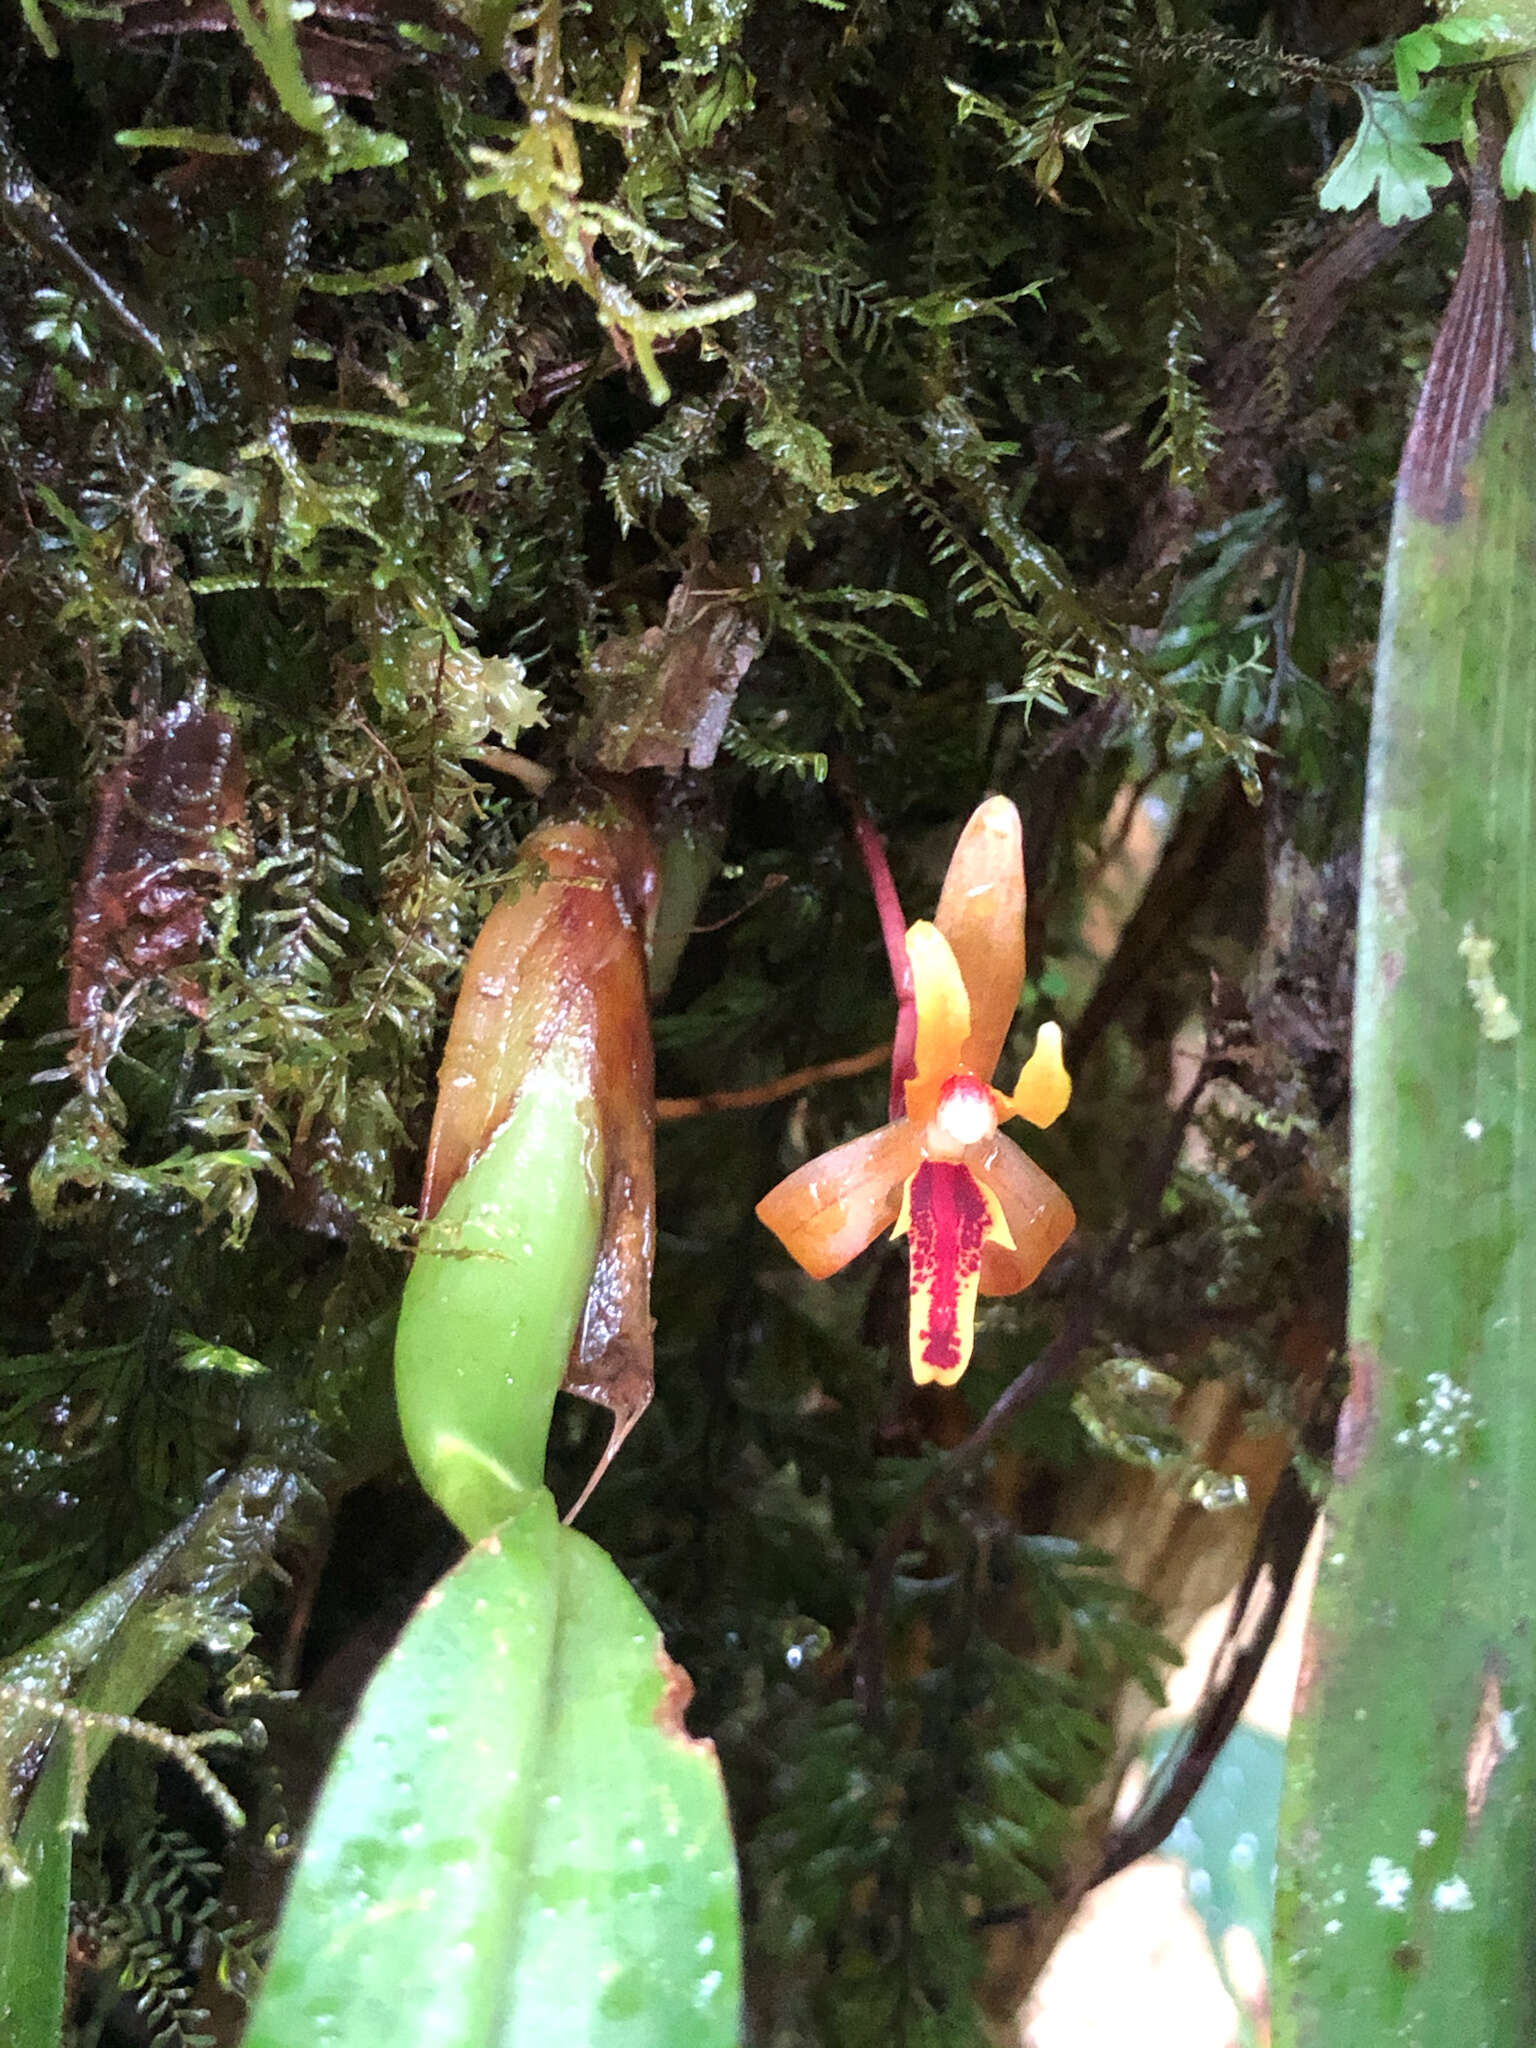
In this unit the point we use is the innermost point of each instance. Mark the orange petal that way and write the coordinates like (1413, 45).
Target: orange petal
(943, 1018)
(832, 1207)
(1039, 1217)
(981, 913)
(951, 1217)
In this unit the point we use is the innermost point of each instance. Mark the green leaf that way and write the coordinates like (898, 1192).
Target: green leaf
(1518, 170)
(1226, 1837)
(194, 1355)
(1408, 1884)
(702, 29)
(1391, 153)
(494, 1298)
(1412, 54)
(947, 309)
(802, 453)
(518, 1843)
(1469, 31)
(1438, 42)
(34, 1918)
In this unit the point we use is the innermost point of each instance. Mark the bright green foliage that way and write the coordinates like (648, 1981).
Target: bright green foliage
(1517, 171)
(1455, 40)
(493, 1301)
(518, 1841)
(1393, 152)
(552, 1864)
(1392, 155)
(1407, 1879)
(287, 415)
(1226, 1839)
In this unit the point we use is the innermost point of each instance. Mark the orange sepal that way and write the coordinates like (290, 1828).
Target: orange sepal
(828, 1210)
(1039, 1217)
(981, 914)
(943, 1018)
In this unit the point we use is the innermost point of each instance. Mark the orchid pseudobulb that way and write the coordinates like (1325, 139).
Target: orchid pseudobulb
(978, 1214)
(534, 1266)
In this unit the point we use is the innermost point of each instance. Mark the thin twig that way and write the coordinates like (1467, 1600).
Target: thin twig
(770, 883)
(533, 775)
(671, 1108)
(1054, 1363)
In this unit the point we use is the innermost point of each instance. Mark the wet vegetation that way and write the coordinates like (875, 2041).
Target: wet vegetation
(794, 411)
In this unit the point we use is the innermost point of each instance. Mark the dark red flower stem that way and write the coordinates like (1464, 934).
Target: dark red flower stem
(893, 929)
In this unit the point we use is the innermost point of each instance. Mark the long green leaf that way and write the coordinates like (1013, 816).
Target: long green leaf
(1408, 1879)
(518, 1844)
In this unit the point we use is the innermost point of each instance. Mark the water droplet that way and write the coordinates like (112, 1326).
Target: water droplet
(805, 1639)
(1217, 1491)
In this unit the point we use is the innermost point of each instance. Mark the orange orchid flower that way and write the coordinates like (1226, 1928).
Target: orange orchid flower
(979, 1215)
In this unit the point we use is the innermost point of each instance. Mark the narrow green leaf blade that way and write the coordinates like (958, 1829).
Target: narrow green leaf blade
(554, 1866)
(1408, 1870)
(34, 1921)
(108, 1657)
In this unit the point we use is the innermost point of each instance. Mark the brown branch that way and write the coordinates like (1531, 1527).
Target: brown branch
(1054, 1363)
(1471, 355)
(1212, 830)
(671, 1108)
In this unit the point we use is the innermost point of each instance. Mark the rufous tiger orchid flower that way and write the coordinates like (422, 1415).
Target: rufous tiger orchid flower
(978, 1214)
